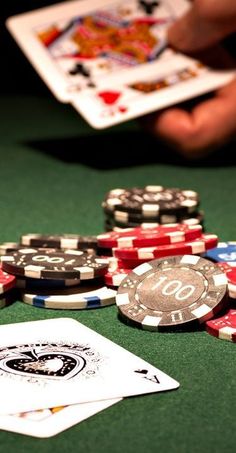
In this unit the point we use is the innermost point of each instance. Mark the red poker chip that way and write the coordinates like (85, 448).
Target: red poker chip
(223, 327)
(116, 272)
(143, 237)
(207, 241)
(131, 264)
(115, 263)
(7, 281)
(230, 270)
(114, 278)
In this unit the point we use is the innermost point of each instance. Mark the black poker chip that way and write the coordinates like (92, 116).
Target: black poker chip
(172, 292)
(151, 201)
(44, 284)
(8, 298)
(64, 241)
(44, 263)
(125, 218)
(7, 247)
(196, 219)
(47, 290)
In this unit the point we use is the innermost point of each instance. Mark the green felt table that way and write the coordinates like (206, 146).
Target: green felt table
(55, 171)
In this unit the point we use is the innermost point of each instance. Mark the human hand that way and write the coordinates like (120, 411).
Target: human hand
(195, 132)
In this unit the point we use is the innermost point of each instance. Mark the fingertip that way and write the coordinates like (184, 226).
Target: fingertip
(175, 124)
(182, 131)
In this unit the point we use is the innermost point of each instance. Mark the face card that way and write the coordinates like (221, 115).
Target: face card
(74, 45)
(110, 59)
(49, 422)
(61, 362)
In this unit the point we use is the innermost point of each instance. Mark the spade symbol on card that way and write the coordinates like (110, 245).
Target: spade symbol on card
(43, 364)
(148, 5)
(145, 375)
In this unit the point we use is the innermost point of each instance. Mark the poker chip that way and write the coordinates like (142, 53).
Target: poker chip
(111, 223)
(7, 247)
(224, 252)
(115, 263)
(151, 201)
(82, 287)
(194, 220)
(138, 237)
(54, 265)
(7, 298)
(37, 283)
(116, 273)
(172, 292)
(196, 246)
(223, 327)
(131, 264)
(115, 278)
(230, 271)
(64, 241)
(125, 218)
(104, 252)
(7, 281)
(76, 300)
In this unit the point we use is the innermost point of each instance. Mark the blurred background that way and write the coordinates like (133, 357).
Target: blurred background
(13, 63)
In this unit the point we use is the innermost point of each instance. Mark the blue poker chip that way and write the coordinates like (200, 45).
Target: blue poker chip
(224, 252)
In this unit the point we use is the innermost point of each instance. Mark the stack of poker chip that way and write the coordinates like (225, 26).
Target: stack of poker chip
(224, 256)
(77, 272)
(131, 247)
(180, 288)
(166, 277)
(7, 288)
(151, 206)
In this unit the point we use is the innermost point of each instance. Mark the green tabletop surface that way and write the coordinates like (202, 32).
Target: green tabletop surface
(55, 172)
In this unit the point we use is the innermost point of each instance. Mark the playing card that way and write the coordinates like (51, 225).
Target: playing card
(60, 362)
(74, 45)
(49, 422)
(110, 58)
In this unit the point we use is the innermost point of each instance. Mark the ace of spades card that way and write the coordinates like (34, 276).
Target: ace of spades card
(61, 362)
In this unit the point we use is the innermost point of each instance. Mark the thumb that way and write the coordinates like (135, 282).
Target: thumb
(206, 23)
